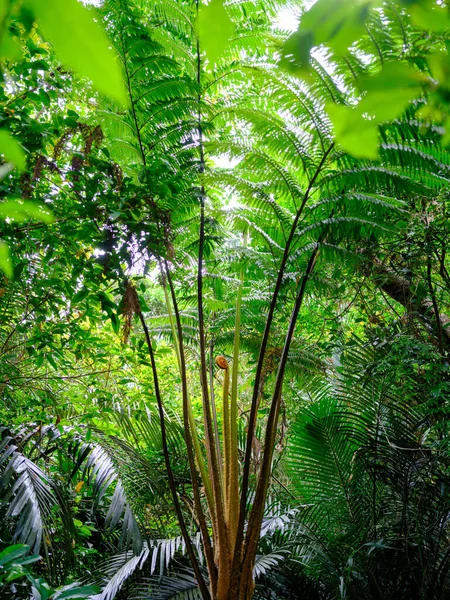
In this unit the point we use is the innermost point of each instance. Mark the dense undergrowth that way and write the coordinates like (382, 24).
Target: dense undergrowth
(224, 301)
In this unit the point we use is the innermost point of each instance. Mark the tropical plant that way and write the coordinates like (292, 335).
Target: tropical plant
(362, 464)
(169, 277)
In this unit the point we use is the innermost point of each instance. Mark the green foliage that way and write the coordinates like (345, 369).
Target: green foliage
(381, 95)
(215, 29)
(358, 458)
(12, 150)
(14, 565)
(80, 43)
(349, 143)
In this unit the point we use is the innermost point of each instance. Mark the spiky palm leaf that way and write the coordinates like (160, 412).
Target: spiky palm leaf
(28, 495)
(358, 458)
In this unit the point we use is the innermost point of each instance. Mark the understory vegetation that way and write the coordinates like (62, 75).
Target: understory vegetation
(224, 300)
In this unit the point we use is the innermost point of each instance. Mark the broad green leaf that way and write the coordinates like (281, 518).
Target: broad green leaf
(296, 52)
(14, 572)
(28, 560)
(9, 48)
(82, 592)
(12, 150)
(356, 135)
(81, 295)
(5, 261)
(393, 76)
(390, 91)
(337, 23)
(80, 43)
(40, 588)
(214, 29)
(115, 321)
(439, 65)
(446, 136)
(432, 17)
(21, 210)
(386, 106)
(18, 269)
(52, 361)
(17, 550)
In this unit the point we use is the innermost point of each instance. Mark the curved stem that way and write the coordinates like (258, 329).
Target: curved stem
(213, 404)
(260, 364)
(233, 507)
(177, 333)
(190, 429)
(187, 540)
(257, 511)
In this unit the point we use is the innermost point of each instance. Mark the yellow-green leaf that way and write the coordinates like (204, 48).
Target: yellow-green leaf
(20, 211)
(9, 48)
(337, 23)
(5, 260)
(3, 8)
(439, 64)
(358, 136)
(12, 150)
(81, 43)
(431, 18)
(386, 106)
(390, 91)
(393, 76)
(214, 29)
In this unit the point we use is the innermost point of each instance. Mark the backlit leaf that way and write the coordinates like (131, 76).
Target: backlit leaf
(5, 260)
(356, 135)
(12, 150)
(20, 211)
(80, 43)
(390, 91)
(214, 29)
(432, 18)
(336, 23)
(386, 106)
(393, 76)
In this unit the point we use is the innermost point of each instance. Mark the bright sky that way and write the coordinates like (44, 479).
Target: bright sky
(287, 19)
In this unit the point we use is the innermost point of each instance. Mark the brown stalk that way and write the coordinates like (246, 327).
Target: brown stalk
(209, 554)
(187, 540)
(260, 364)
(219, 525)
(257, 511)
(222, 363)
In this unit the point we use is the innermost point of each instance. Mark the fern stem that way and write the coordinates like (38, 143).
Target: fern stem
(172, 324)
(221, 530)
(234, 466)
(179, 347)
(132, 103)
(213, 405)
(260, 364)
(257, 511)
(226, 436)
(187, 540)
(190, 427)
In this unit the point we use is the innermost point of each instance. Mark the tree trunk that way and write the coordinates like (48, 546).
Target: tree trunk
(401, 290)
